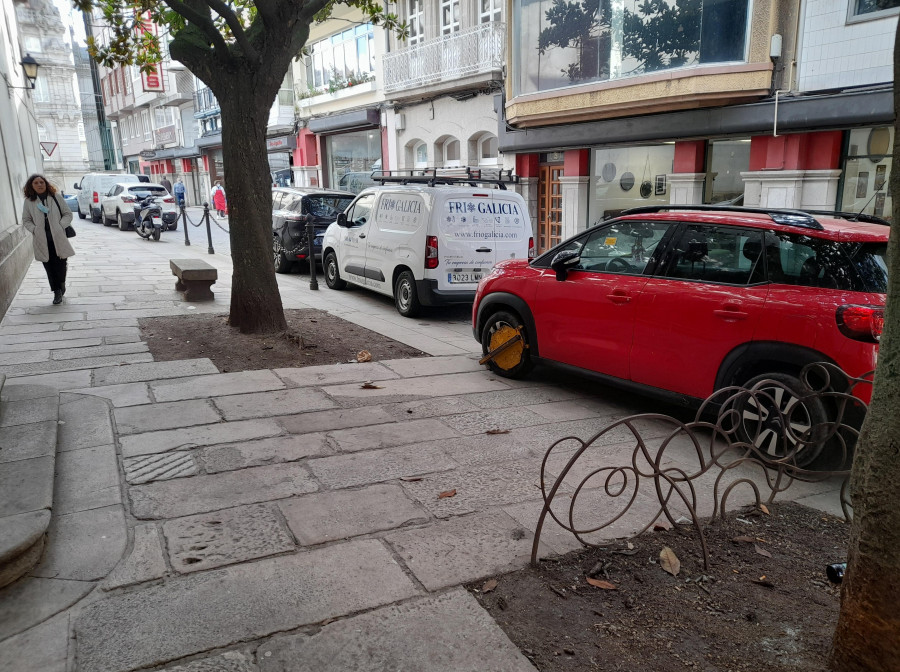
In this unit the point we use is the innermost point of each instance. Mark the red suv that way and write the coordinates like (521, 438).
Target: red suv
(683, 301)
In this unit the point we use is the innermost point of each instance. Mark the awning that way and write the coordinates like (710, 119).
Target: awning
(345, 121)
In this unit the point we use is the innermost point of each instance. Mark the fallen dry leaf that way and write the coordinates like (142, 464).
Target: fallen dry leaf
(661, 524)
(764, 509)
(497, 431)
(743, 540)
(630, 545)
(410, 479)
(363, 356)
(369, 385)
(669, 561)
(605, 585)
(762, 551)
(447, 493)
(489, 586)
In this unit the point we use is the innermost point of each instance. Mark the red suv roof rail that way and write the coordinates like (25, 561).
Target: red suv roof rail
(851, 216)
(779, 216)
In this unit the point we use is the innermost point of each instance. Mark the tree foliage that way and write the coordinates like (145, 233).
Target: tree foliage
(660, 35)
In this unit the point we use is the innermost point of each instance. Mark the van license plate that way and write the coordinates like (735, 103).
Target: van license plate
(463, 277)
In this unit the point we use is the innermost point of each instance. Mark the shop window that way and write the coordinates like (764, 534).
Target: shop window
(567, 44)
(725, 161)
(873, 8)
(867, 171)
(628, 177)
(352, 157)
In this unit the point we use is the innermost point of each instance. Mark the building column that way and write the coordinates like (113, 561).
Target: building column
(799, 171)
(688, 179)
(528, 171)
(575, 185)
(306, 160)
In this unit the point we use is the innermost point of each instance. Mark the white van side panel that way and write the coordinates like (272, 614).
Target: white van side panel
(397, 238)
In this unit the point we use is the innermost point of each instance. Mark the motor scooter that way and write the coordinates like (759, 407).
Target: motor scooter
(148, 222)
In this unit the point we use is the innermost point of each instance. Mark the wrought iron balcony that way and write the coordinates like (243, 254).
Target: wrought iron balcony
(448, 58)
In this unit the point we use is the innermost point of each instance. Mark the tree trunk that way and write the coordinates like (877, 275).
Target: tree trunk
(255, 300)
(868, 631)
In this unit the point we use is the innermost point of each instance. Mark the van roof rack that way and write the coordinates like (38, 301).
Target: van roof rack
(782, 216)
(446, 176)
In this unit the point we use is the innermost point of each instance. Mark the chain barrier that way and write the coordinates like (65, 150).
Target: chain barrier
(212, 218)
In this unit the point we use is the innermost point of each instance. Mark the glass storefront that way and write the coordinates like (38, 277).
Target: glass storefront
(352, 157)
(867, 171)
(567, 43)
(628, 177)
(726, 159)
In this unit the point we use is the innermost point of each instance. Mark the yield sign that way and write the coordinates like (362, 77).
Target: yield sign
(48, 147)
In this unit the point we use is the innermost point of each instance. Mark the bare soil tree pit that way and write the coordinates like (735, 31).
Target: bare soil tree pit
(313, 338)
(764, 604)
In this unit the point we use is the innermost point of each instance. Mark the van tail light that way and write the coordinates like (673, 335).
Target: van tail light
(431, 252)
(96, 197)
(530, 249)
(861, 323)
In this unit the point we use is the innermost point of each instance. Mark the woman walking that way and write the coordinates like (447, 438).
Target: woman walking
(46, 217)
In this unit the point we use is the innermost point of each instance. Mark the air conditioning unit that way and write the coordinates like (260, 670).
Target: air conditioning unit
(400, 122)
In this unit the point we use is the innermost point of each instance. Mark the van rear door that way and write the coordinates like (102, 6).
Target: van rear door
(512, 226)
(466, 249)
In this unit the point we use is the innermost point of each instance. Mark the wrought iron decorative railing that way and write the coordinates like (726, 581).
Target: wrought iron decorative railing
(468, 52)
(739, 437)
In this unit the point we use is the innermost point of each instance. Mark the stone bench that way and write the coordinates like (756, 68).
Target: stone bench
(195, 277)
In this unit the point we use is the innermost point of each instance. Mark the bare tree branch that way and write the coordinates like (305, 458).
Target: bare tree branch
(310, 9)
(237, 29)
(205, 23)
(268, 12)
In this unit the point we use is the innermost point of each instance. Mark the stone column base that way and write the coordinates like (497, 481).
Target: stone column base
(799, 189)
(574, 204)
(686, 188)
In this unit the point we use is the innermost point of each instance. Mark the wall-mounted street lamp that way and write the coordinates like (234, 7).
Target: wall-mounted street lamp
(30, 66)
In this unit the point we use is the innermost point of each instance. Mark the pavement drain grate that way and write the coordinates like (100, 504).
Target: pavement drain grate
(147, 468)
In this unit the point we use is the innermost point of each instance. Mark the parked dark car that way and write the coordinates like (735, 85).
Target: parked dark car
(292, 207)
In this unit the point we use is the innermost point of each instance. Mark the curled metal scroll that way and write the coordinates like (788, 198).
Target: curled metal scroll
(773, 428)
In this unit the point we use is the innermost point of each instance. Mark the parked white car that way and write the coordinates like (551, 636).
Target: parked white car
(425, 245)
(117, 206)
(91, 189)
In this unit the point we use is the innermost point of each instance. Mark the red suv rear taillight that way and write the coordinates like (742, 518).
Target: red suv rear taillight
(96, 197)
(431, 252)
(861, 323)
(530, 249)
(128, 199)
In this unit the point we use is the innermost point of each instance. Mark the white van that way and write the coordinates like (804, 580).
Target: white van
(93, 187)
(425, 245)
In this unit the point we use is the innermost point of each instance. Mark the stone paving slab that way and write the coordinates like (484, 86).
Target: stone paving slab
(267, 404)
(83, 546)
(99, 351)
(32, 387)
(21, 442)
(28, 411)
(145, 562)
(329, 516)
(74, 364)
(151, 443)
(16, 320)
(44, 648)
(27, 485)
(219, 384)
(428, 408)
(464, 549)
(27, 357)
(225, 538)
(101, 324)
(339, 418)
(374, 466)
(436, 386)
(390, 435)
(71, 342)
(518, 398)
(126, 394)
(479, 422)
(137, 373)
(26, 603)
(332, 374)
(52, 338)
(169, 415)
(84, 423)
(199, 494)
(278, 449)
(230, 661)
(448, 632)
(87, 478)
(196, 613)
(431, 366)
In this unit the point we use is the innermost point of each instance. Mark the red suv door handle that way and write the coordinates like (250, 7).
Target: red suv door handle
(731, 314)
(618, 296)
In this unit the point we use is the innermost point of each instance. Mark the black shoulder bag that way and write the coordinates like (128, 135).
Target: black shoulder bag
(70, 230)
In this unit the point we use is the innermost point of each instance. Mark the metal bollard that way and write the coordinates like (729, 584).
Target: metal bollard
(184, 222)
(310, 237)
(208, 232)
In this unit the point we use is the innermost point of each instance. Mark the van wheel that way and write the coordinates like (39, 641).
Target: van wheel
(333, 273)
(405, 297)
(81, 214)
(123, 225)
(515, 361)
(783, 401)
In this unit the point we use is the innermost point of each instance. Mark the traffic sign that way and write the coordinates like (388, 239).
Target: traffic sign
(48, 147)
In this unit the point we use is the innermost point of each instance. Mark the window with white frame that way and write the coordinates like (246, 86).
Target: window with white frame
(41, 90)
(866, 8)
(420, 155)
(449, 16)
(490, 10)
(344, 59)
(165, 116)
(487, 151)
(33, 45)
(145, 122)
(415, 19)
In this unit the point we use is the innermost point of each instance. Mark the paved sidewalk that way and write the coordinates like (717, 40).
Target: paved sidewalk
(283, 519)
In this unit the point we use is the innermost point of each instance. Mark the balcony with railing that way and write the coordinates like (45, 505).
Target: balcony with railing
(205, 103)
(447, 59)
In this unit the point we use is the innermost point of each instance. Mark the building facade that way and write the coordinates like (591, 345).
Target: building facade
(766, 103)
(20, 156)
